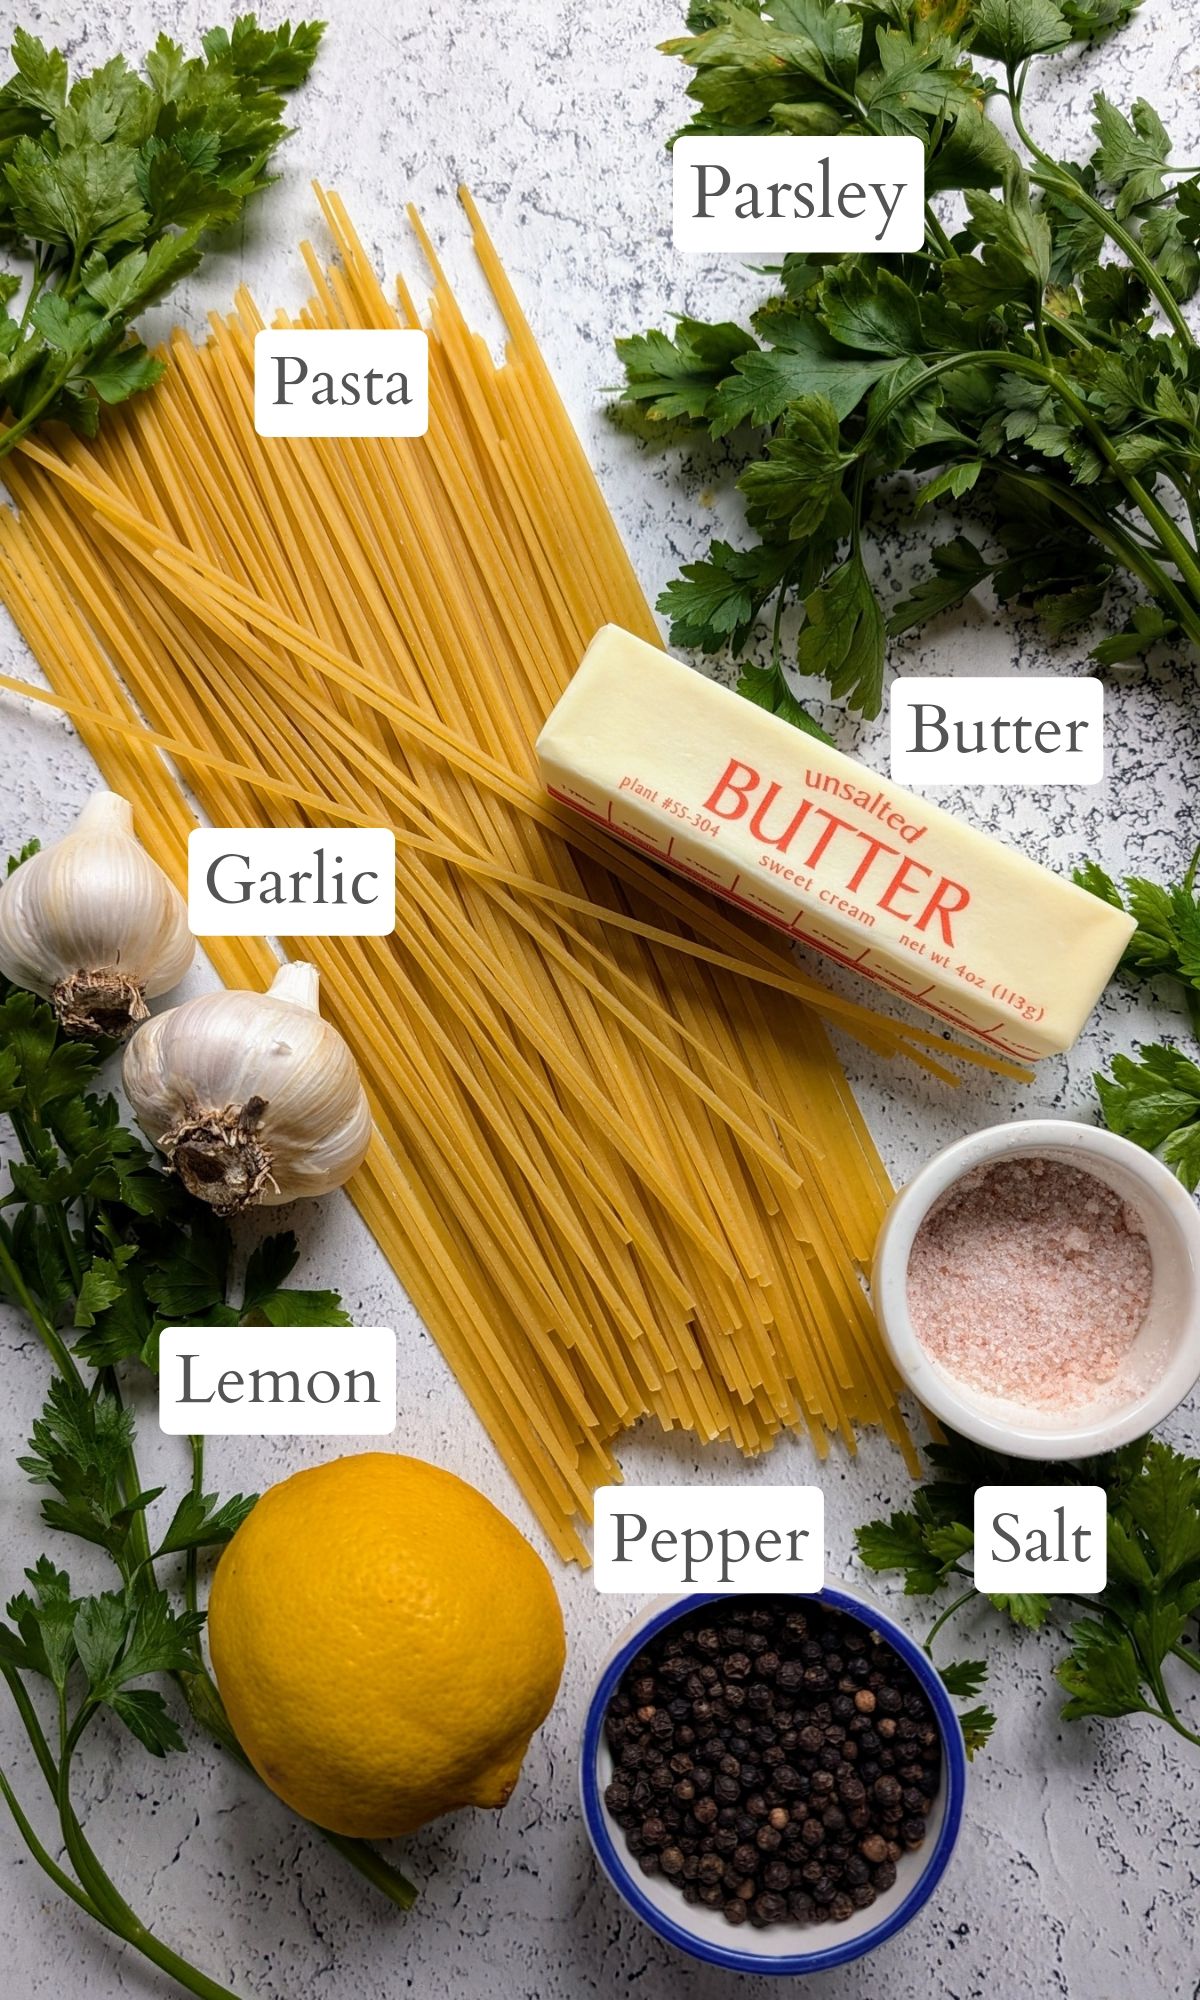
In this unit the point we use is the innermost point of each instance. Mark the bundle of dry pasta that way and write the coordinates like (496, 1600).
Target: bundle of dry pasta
(616, 1164)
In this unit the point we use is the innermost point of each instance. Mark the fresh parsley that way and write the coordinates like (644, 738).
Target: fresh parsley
(109, 188)
(1153, 1097)
(99, 1251)
(1036, 361)
(1127, 1640)
(1167, 938)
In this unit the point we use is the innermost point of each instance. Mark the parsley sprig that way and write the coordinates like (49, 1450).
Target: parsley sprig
(1153, 1098)
(1038, 359)
(109, 187)
(100, 1251)
(1119, 1650)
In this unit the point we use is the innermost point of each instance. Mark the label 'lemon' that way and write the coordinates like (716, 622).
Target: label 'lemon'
(385, 1642)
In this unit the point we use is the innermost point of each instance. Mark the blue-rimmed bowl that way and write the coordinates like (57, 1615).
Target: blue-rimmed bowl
(785, 1948)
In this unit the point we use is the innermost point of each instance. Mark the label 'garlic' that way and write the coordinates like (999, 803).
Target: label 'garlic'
(93, 925)
(253, 1098)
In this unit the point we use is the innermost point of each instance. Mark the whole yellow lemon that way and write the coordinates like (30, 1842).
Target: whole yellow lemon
(385, 1643)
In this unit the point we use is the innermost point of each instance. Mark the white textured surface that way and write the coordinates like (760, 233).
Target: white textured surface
(1077, 1873)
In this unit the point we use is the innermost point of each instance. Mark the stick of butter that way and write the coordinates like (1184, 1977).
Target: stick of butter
(803, 836)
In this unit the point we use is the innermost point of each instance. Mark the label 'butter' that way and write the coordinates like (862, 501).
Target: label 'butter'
(813, 842)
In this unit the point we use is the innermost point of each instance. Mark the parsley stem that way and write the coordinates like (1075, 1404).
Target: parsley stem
(131, 1481)
(1174, 544)
(27, 1130)
(33, 1728)
(112, 1909)
(1110, 534)
(204, 1701)
(45, 1862)
(191, 1562)
(373, 1868)
(1189, 1658)
(1053, 180)
(934, 228)
(10, 438)
(948, 1613)
(49, 1335)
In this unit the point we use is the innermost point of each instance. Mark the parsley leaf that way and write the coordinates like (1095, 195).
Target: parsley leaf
(794, 484)
(675, 377)
(202, 1522)
(1010, 31)
(964, 1677)
(767, 688)
(800, 359)
(1151, 1603)
(1167, 939)
(958, 569)
(1132, 153)
(1155, 1101)
(714, 603)
(842, 637)
(112, 184)
(977, 1725)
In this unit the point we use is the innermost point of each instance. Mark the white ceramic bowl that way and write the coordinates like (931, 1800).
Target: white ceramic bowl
(787, 1948)
(1166, 1353)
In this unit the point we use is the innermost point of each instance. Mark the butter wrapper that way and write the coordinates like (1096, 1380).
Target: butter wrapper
(814, 843)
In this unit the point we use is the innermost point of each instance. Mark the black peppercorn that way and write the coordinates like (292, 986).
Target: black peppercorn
(771, 1765)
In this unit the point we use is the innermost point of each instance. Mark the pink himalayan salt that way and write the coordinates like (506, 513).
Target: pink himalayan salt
(1030, 1280)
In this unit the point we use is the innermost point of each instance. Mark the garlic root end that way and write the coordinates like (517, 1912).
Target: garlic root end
(99, 1003)
(218, 1156)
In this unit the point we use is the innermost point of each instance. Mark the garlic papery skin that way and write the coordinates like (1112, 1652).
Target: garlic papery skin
(252, 1097)
(93, 925)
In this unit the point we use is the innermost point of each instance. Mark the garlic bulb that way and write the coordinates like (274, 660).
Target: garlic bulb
(93, 925)
(252, 1096)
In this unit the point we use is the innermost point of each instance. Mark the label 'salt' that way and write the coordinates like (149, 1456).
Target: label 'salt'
(799, 834)
(1043, 1539)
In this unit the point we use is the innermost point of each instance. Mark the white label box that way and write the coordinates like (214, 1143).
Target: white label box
(721, 1538)
(1048, 1539)
(779, 193)
(335, 382)
(997, 729)
(277, 1381)
(252, 881)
